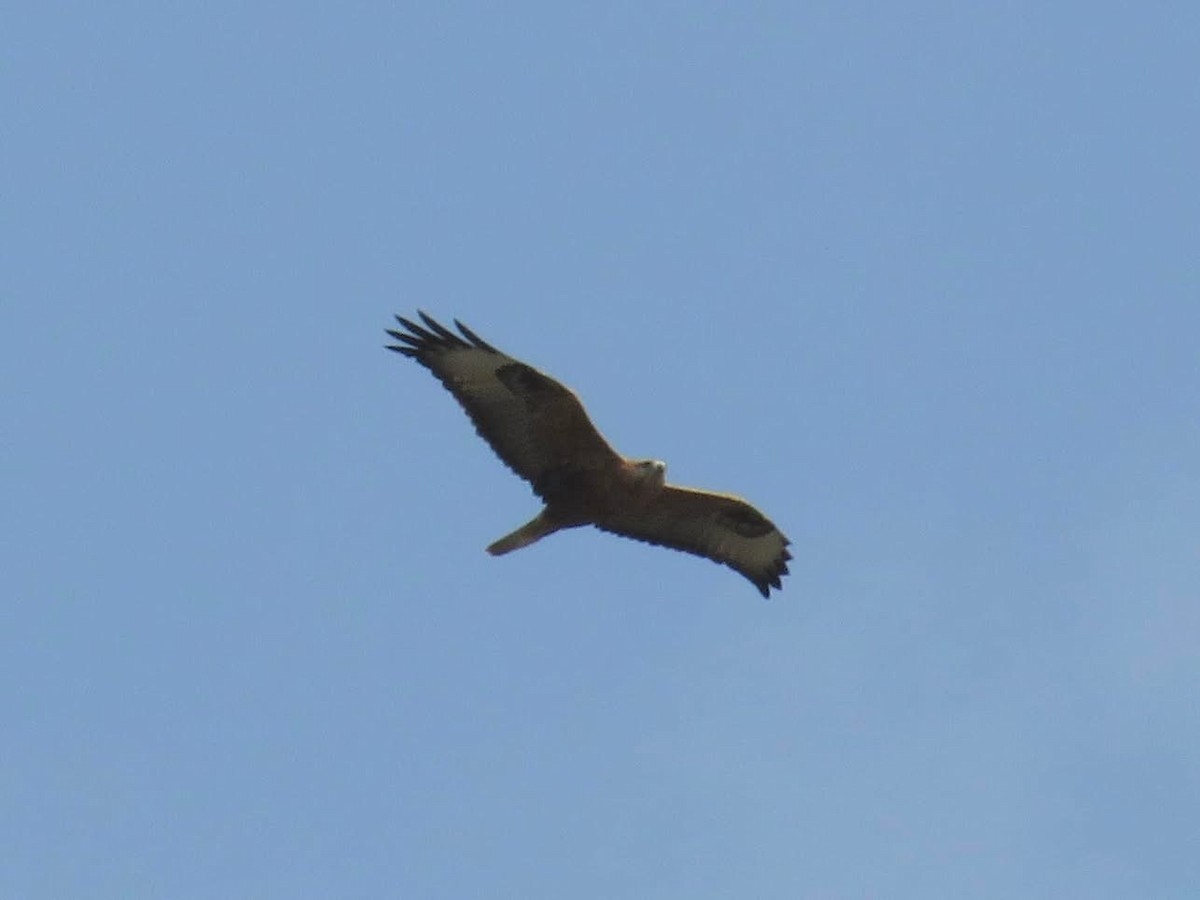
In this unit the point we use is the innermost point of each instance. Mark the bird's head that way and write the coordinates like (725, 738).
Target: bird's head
(650, 472)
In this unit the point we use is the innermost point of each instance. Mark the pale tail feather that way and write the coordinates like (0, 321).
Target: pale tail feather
(533, 530)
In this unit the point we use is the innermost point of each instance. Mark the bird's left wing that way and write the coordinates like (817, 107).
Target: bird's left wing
(720, 527)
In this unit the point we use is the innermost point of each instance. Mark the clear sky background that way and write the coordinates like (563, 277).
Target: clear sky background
(920, 280)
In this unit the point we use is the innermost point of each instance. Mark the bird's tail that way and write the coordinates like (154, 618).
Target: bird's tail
(533, 530)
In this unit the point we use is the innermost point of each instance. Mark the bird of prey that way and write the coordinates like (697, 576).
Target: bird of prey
(541, 431)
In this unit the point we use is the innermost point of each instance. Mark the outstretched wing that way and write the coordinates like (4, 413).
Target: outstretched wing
(536, 425)
(721, 527)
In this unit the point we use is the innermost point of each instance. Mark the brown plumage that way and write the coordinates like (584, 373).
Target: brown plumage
(541, 431)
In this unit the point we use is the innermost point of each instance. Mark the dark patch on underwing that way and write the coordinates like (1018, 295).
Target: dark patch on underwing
(526, 382)
(746, 522)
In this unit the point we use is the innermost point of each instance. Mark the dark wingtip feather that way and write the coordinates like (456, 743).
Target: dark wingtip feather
(434, 336)
(474, 338)
(408, 339)
(773, 578)
(404, 351)
(442, 331)
(417, 330)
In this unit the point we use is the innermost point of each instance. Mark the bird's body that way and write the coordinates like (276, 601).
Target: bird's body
(542, 432)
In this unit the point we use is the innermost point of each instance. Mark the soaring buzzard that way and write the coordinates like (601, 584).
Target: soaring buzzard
(541, 431)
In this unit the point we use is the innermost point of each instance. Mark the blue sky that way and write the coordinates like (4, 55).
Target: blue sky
(919, 280)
